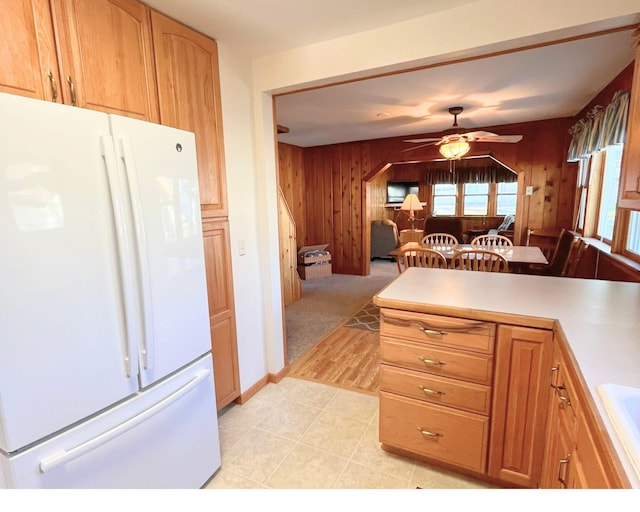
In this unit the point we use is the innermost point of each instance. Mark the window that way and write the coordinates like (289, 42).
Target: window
(609, 194)
(476, 199)
(444, 199)
(506, 198)
(598, 181)
(633, 236)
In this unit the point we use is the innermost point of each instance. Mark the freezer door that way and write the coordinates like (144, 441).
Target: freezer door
(159, 165)
(64, 353)
(163, 438)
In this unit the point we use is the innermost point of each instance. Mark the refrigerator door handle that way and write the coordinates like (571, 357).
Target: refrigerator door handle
(124, 249)
(64, 456)
(146, 347)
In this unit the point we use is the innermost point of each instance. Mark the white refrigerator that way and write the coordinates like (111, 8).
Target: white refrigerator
(106, 377)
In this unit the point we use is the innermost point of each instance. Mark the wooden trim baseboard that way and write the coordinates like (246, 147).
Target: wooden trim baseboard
(272, 378)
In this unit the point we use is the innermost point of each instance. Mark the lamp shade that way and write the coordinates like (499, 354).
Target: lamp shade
(454, 150)
(411, 203)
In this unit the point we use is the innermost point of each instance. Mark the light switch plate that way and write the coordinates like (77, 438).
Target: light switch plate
(529, 191)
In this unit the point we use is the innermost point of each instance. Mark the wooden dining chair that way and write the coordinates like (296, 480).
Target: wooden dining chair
(423, 257)
(492, 241)
(440, 241)
(576, 252)
(482, 260)
(560, 256)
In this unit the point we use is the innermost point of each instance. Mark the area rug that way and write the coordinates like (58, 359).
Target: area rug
(367, 318)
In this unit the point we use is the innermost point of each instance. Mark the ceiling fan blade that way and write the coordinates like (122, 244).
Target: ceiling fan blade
(471, 136)
(422, 140)
(500, 138)
(420, 146)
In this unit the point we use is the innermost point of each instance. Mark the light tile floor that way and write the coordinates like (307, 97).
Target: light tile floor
(304, 435)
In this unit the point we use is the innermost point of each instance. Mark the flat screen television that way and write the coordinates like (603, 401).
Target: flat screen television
(397, 190)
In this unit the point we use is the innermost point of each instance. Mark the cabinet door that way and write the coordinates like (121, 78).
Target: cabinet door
(221, 311)
(559, 469)
(189, 93)
(107, 56)
(523, 357)
(27, 53)
(629, 196)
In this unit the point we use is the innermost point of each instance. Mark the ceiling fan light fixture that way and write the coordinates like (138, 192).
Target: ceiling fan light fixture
(454, 150)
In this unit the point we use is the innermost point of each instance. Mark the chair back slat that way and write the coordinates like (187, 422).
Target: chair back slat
(423, 257)
(440, 241)
(492, 241)
(480, 260)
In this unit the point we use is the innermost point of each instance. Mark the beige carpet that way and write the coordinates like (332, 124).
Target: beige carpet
(329, 302)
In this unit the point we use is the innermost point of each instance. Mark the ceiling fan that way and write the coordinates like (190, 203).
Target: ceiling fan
(455, 145)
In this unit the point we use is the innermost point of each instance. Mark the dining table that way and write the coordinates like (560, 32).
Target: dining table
(518, 256)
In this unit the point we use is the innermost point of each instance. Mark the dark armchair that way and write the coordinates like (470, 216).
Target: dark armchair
(384, 238)
(451, 225)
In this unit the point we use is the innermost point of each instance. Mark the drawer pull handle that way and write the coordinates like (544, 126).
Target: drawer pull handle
(430, 435)
(554, 373)
(431, 392)
(432, 333)
(431, 362)
(563, 398)
(564, 463)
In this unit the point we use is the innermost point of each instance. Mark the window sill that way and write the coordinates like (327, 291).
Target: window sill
(605, 248)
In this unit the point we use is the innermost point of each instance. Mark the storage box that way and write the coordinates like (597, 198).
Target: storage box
(314, 271)
(306, 255)
(314, 261)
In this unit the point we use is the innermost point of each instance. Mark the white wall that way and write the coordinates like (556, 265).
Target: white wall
(250, 143)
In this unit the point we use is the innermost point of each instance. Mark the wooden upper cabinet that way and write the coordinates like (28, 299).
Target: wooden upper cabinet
(27, 52)
(106, 56)
(629, 195)
(189, 94)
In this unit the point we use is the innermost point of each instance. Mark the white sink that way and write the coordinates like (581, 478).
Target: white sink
(622, 404)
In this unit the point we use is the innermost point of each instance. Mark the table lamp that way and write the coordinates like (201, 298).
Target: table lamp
(411, 204)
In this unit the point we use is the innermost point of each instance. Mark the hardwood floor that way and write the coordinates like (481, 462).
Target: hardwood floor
(347, 358)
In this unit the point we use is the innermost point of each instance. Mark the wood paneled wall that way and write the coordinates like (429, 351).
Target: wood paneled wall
(292, 184)
(335, 191)
(335, 178)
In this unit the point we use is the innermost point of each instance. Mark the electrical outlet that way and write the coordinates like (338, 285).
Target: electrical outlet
(529, 191)
(242, 249)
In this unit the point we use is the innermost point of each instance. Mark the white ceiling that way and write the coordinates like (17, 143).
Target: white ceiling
(540, 83)
(261, 27)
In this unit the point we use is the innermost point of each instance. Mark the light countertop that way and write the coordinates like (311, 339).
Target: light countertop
(600, 319)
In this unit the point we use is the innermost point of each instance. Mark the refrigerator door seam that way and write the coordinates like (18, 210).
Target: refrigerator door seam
(124, 253)
(64, 456)
(147, 343)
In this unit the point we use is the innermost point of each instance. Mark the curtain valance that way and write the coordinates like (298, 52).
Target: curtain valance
(601, 127)
(492, 173)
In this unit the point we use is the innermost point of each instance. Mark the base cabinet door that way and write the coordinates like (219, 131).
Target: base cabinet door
(221, 311)
(519, 410)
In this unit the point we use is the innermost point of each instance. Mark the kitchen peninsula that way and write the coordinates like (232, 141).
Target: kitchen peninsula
(472, 364)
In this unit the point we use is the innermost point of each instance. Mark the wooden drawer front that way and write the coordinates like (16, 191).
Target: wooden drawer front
(439, 330)
(451, 436)
(439, 390)
(440, 361)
